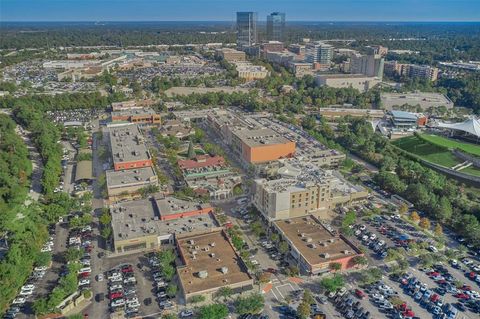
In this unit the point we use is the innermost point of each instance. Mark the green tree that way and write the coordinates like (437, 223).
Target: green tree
(172, 290)
(213, 311)
(332, 283)
(105, 218)
(304, 310)
(224, 293)
(250, 304)
(191, 151)
(73, 254)
(283, 247)
(43, 259)
(197, 299)
(335, 266)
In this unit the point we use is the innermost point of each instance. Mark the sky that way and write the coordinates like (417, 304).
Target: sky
(224, 10)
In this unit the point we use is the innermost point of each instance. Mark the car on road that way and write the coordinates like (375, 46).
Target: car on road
(186, 313)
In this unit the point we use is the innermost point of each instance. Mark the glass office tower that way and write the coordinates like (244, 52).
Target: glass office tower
(246, 28)
(276, 27)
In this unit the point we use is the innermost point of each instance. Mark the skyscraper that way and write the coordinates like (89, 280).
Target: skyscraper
(246, 28)
(276, 26)
(319, 52)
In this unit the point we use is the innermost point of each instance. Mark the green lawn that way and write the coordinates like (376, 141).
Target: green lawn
(433, 153)
(427, 151)
(446, 142)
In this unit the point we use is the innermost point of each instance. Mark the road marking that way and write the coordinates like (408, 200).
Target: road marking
(274, 295)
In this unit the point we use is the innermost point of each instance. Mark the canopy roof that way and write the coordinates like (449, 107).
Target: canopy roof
(471, 126)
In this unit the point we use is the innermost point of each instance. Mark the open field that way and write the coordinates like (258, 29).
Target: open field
(432, 153)
(450, 143)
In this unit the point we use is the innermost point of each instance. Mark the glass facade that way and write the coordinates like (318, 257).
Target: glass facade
(246, 28)
(276, 27)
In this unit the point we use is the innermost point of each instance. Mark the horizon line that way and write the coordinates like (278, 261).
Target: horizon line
(230, 21)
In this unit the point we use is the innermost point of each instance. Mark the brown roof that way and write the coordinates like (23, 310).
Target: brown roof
(209, 252)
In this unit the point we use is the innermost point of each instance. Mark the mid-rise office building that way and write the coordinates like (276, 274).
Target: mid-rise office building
(246, 29)
(360, 82)
(319, 52)
(276, 26)
(369, 65)
(230, 55)
(128, 148)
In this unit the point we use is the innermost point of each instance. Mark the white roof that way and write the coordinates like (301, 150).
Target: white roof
(471, 126)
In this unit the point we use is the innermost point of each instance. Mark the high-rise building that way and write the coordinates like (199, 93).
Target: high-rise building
(246, 28)
(318, 52)
(370, 65)
(276, 26)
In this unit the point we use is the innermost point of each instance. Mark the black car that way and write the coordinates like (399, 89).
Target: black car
(147, 301)
(100, 297)
(460, 306)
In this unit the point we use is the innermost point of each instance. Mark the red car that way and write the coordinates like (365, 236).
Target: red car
(272, 270)
(462, 296)
(466, 288)
(127, 269)
(115, 295)
(433, 274)
(434, 298)
(360, 294)
(402, 307)
(409, 314)
(84, 275)
(472, 275)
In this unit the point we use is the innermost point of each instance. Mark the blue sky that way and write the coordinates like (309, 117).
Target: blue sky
(191, 10)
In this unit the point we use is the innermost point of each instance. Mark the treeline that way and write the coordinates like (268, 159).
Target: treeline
(45, 136)
(15, 166)
(65, 101)
(440, 198)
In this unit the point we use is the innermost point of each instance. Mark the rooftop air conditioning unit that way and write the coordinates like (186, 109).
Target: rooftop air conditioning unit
(202, 274)
(224, 270)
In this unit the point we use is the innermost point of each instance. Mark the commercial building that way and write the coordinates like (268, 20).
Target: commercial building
(128, 148)
(148, 224)
(136, 115)
(230, 55)
(272, 46)
(246, 29)
(378, 49)
(248, 71)
(319, 53)
(125, 184)
(302, 188)
(209, 175)
(176, 128)
(209, 263)
(404, 120)
(300, 69)
(261, 145)
(80, 74)
(84, 172)
(281, 58)
(369, 65)
(360, 82)
(314, 247)
(131, 104)
(424, 100)
(333, 113)
(276, 26)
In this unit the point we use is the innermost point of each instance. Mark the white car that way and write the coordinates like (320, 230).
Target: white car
(28, 287)
(130, 279)
(84, 282)
(84, 269)
(114, 275)
(186, 313)
(19, 301)
(26, 292)
(433, 249)
(116, 279)
(46, 249)
(42, 268)
(100, 277)
(117, 303)
(116, 287)
(254, 262)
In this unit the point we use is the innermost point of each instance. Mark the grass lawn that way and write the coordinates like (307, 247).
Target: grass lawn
(432, 153)
(427, 151)
(446, 142)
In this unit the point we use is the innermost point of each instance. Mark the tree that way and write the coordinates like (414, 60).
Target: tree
(43, 259)
(169, 316)
(304, 310)
(335, 266)
(105, 218)
(73, 254)
(171, 290)
(283, 247)
(197, 299)
(424, 223)
(251, 304)
(213, 311)
(224, 293)
(332, 283)
(438, 230)
(415, 217)
(191, 150)
(403, 209)
(360, 260)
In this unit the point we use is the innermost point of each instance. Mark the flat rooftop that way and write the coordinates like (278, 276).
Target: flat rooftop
(139, 218)
(314, 242)
(145, 111)
(209, 254)
(171, 206)
(260, 137)
(127, 144)
(129, 177)
(424, 99)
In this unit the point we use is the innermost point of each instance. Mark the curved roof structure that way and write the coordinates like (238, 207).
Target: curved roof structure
(471, 126)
